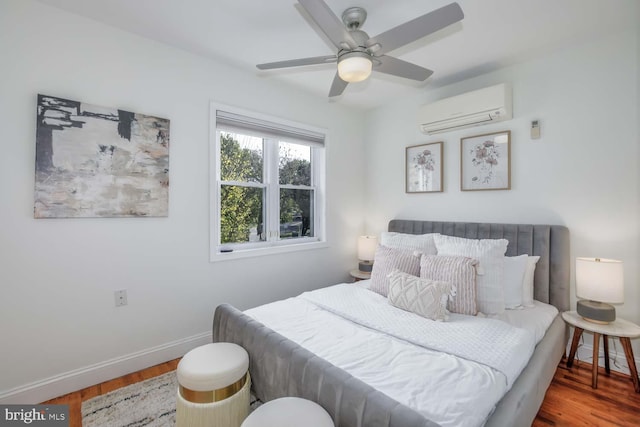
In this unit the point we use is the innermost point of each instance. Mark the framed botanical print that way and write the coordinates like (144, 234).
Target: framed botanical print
(485, 162)
(424, 168)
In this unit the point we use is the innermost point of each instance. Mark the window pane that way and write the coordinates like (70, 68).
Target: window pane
(296, 213)
(241, 214)
(294, 164)
(241, 157)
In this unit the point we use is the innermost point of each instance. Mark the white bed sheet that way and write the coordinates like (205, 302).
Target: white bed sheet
(536, 319)
(444, 388)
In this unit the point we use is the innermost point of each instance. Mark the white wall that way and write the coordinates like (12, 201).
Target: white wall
(58, 323)
(582, 173)
(58, 327)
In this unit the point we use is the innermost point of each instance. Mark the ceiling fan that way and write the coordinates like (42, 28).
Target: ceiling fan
(357, 54)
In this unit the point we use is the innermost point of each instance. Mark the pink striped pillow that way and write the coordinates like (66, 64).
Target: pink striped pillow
(386, 261)
(460, 272)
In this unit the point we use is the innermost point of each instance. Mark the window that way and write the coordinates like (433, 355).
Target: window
(268, 189)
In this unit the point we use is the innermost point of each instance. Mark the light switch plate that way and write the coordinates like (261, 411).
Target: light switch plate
(535, 129)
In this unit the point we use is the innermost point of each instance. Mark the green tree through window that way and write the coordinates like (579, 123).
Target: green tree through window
(241, 207)
(296, 198)
(243, 191)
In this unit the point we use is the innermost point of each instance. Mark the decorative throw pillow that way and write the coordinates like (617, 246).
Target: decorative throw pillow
(417, 242)
(460, 272)
(514, 269)
(490, 254)
(387, 260)
(424, 297)
(527, 281)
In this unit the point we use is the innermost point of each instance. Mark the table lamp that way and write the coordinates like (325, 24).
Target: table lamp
(366, 252)
(600, 282)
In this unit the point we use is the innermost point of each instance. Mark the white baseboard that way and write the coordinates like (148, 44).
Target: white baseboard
(617, 358)
(58, 385)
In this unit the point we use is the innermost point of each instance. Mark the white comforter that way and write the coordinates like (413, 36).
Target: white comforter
(487, 341)
(339, 326)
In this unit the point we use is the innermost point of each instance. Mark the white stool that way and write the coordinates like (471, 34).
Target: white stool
(289, 412)
(213, 386)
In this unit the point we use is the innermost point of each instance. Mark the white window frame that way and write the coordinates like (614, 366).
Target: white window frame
(273, 244)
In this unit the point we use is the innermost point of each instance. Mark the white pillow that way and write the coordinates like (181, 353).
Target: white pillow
(514, 269)
(424, 297)
(490, 255)
(527, 281)
(415, 242)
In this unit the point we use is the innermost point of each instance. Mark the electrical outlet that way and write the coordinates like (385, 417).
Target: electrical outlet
(120, 297)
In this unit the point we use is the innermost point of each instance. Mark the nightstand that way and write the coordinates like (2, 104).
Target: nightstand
(621, 328)
(359, 275)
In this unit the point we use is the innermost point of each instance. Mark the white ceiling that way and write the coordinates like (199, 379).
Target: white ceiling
(493, 34)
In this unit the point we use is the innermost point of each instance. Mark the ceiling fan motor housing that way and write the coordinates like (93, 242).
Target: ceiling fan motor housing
(360, 37)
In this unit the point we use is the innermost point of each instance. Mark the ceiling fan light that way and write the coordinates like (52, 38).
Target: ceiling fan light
(354, 67)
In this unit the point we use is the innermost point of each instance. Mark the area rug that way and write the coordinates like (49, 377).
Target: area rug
(148, 403)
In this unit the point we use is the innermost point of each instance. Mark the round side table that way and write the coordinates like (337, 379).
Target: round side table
(620, 328)
(359, 275)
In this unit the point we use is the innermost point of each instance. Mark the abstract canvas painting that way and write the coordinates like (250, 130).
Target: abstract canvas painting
(94, 161)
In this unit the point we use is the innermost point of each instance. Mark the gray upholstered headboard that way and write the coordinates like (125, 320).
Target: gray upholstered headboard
(550, 242)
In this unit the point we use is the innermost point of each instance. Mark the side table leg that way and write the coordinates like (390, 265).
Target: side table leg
(628, 352)
(577, 333)
(605, 340)
(596, 353)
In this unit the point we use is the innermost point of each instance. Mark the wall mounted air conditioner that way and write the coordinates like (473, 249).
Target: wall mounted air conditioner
(483, 106)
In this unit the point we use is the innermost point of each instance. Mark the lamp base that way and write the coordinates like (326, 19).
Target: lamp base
(596, 312)
(365, 266)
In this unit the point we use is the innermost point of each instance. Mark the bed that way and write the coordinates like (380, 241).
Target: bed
(281, 367)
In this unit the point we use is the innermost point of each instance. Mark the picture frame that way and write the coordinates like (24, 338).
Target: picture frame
(485, 162)
(99, 162)
(423, 168)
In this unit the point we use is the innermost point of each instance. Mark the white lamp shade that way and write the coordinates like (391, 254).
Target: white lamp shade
(354, 67)
(367, 247)
(600, 279)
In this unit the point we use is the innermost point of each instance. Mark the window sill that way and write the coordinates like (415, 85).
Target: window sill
(271, 250)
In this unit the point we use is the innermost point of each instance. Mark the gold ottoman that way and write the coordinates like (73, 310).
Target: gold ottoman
(213, 386)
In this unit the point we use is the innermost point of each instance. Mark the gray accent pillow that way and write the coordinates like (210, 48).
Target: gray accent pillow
(386, 261)
(461, 272)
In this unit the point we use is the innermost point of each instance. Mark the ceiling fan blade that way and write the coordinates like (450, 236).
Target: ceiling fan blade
(417, 28)
(329, 23)
(337, 87)
(400, 68)
(298, 62)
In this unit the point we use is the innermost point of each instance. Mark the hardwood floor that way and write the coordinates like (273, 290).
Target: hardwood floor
(570, 400)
